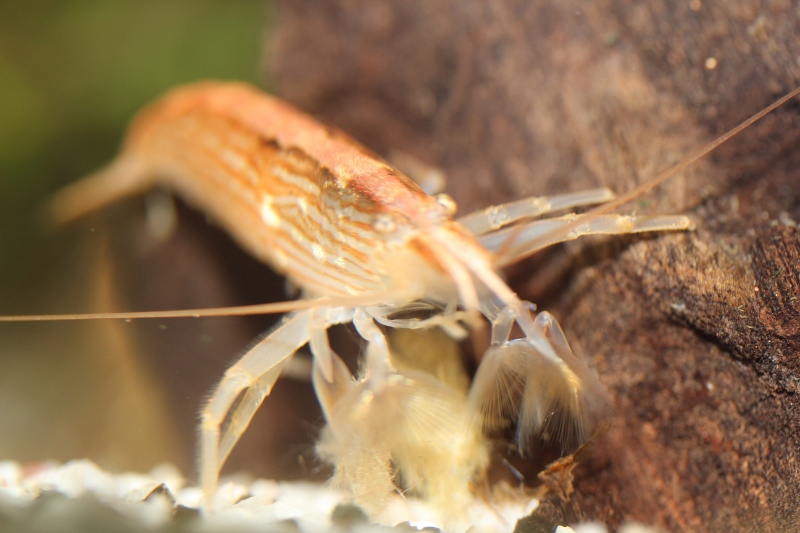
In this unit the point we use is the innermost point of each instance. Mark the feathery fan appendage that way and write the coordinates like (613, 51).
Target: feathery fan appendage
(406, 431)
(552, 397)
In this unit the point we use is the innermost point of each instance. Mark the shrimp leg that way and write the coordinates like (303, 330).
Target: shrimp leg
(495, 217)
(528, 239)
(378, 360)
(245, 385)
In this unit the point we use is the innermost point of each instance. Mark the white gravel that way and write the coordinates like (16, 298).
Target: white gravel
(79, 496)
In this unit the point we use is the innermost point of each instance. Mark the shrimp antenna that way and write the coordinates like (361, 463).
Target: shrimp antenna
(507, 251)
(243, 310)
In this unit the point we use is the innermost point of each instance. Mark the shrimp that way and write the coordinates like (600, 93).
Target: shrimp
(367, 246)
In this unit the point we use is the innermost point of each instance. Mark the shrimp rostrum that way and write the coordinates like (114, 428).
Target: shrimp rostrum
(366, 244)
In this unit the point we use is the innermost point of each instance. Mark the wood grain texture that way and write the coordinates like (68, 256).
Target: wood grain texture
(522, 97)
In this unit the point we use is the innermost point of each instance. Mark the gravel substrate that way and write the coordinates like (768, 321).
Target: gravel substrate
(79, 496)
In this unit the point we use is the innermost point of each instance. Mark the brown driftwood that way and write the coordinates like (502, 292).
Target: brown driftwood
(697, 336)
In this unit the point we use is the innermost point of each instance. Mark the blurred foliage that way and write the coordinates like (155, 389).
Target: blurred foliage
(73, 72)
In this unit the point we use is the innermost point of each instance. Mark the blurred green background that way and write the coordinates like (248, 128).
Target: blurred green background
(72, 74)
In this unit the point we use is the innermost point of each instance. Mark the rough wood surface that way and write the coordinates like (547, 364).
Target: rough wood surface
(697, 336)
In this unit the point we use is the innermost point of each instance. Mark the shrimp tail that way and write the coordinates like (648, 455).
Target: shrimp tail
(125, 176)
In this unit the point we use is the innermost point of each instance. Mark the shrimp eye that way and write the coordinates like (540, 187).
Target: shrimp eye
(447, 203)
(384, 224)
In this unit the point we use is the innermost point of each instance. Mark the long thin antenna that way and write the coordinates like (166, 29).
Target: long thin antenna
(257, 309)
(507, 251)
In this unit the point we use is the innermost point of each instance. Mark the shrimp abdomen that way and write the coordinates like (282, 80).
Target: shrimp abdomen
(243, 170)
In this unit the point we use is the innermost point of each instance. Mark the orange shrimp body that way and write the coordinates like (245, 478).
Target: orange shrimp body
(301, 196)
